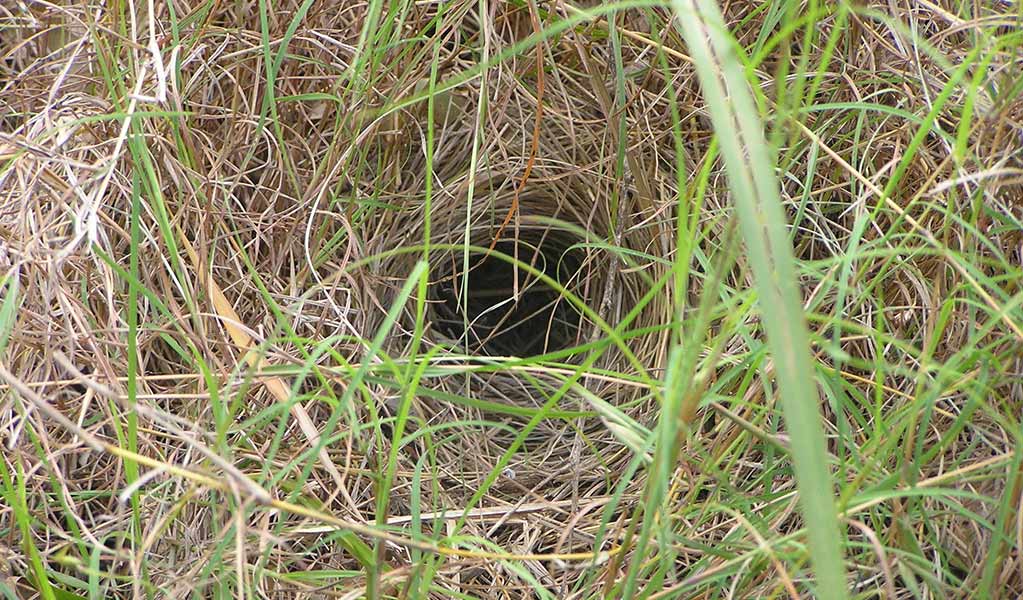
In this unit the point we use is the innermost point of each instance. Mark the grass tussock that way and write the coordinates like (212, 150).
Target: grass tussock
(511, 299)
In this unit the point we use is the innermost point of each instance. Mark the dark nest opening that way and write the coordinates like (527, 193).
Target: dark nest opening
(496, 307)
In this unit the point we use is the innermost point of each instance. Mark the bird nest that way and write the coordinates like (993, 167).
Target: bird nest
(542, 290)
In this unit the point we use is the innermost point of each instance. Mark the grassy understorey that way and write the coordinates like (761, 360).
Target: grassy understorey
(515, 299)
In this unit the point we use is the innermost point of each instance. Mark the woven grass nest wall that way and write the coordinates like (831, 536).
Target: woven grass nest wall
(339, 312)
(511, 297)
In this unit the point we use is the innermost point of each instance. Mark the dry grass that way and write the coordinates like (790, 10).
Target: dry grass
(263, 398)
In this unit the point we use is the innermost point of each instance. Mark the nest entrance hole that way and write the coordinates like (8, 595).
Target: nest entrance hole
(480, 310)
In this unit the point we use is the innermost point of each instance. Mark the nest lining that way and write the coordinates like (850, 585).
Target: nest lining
(498, 307)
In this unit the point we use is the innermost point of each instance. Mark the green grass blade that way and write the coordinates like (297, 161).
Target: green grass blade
(758, 202)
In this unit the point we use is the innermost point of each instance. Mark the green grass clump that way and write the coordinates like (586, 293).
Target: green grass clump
(511, 300)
